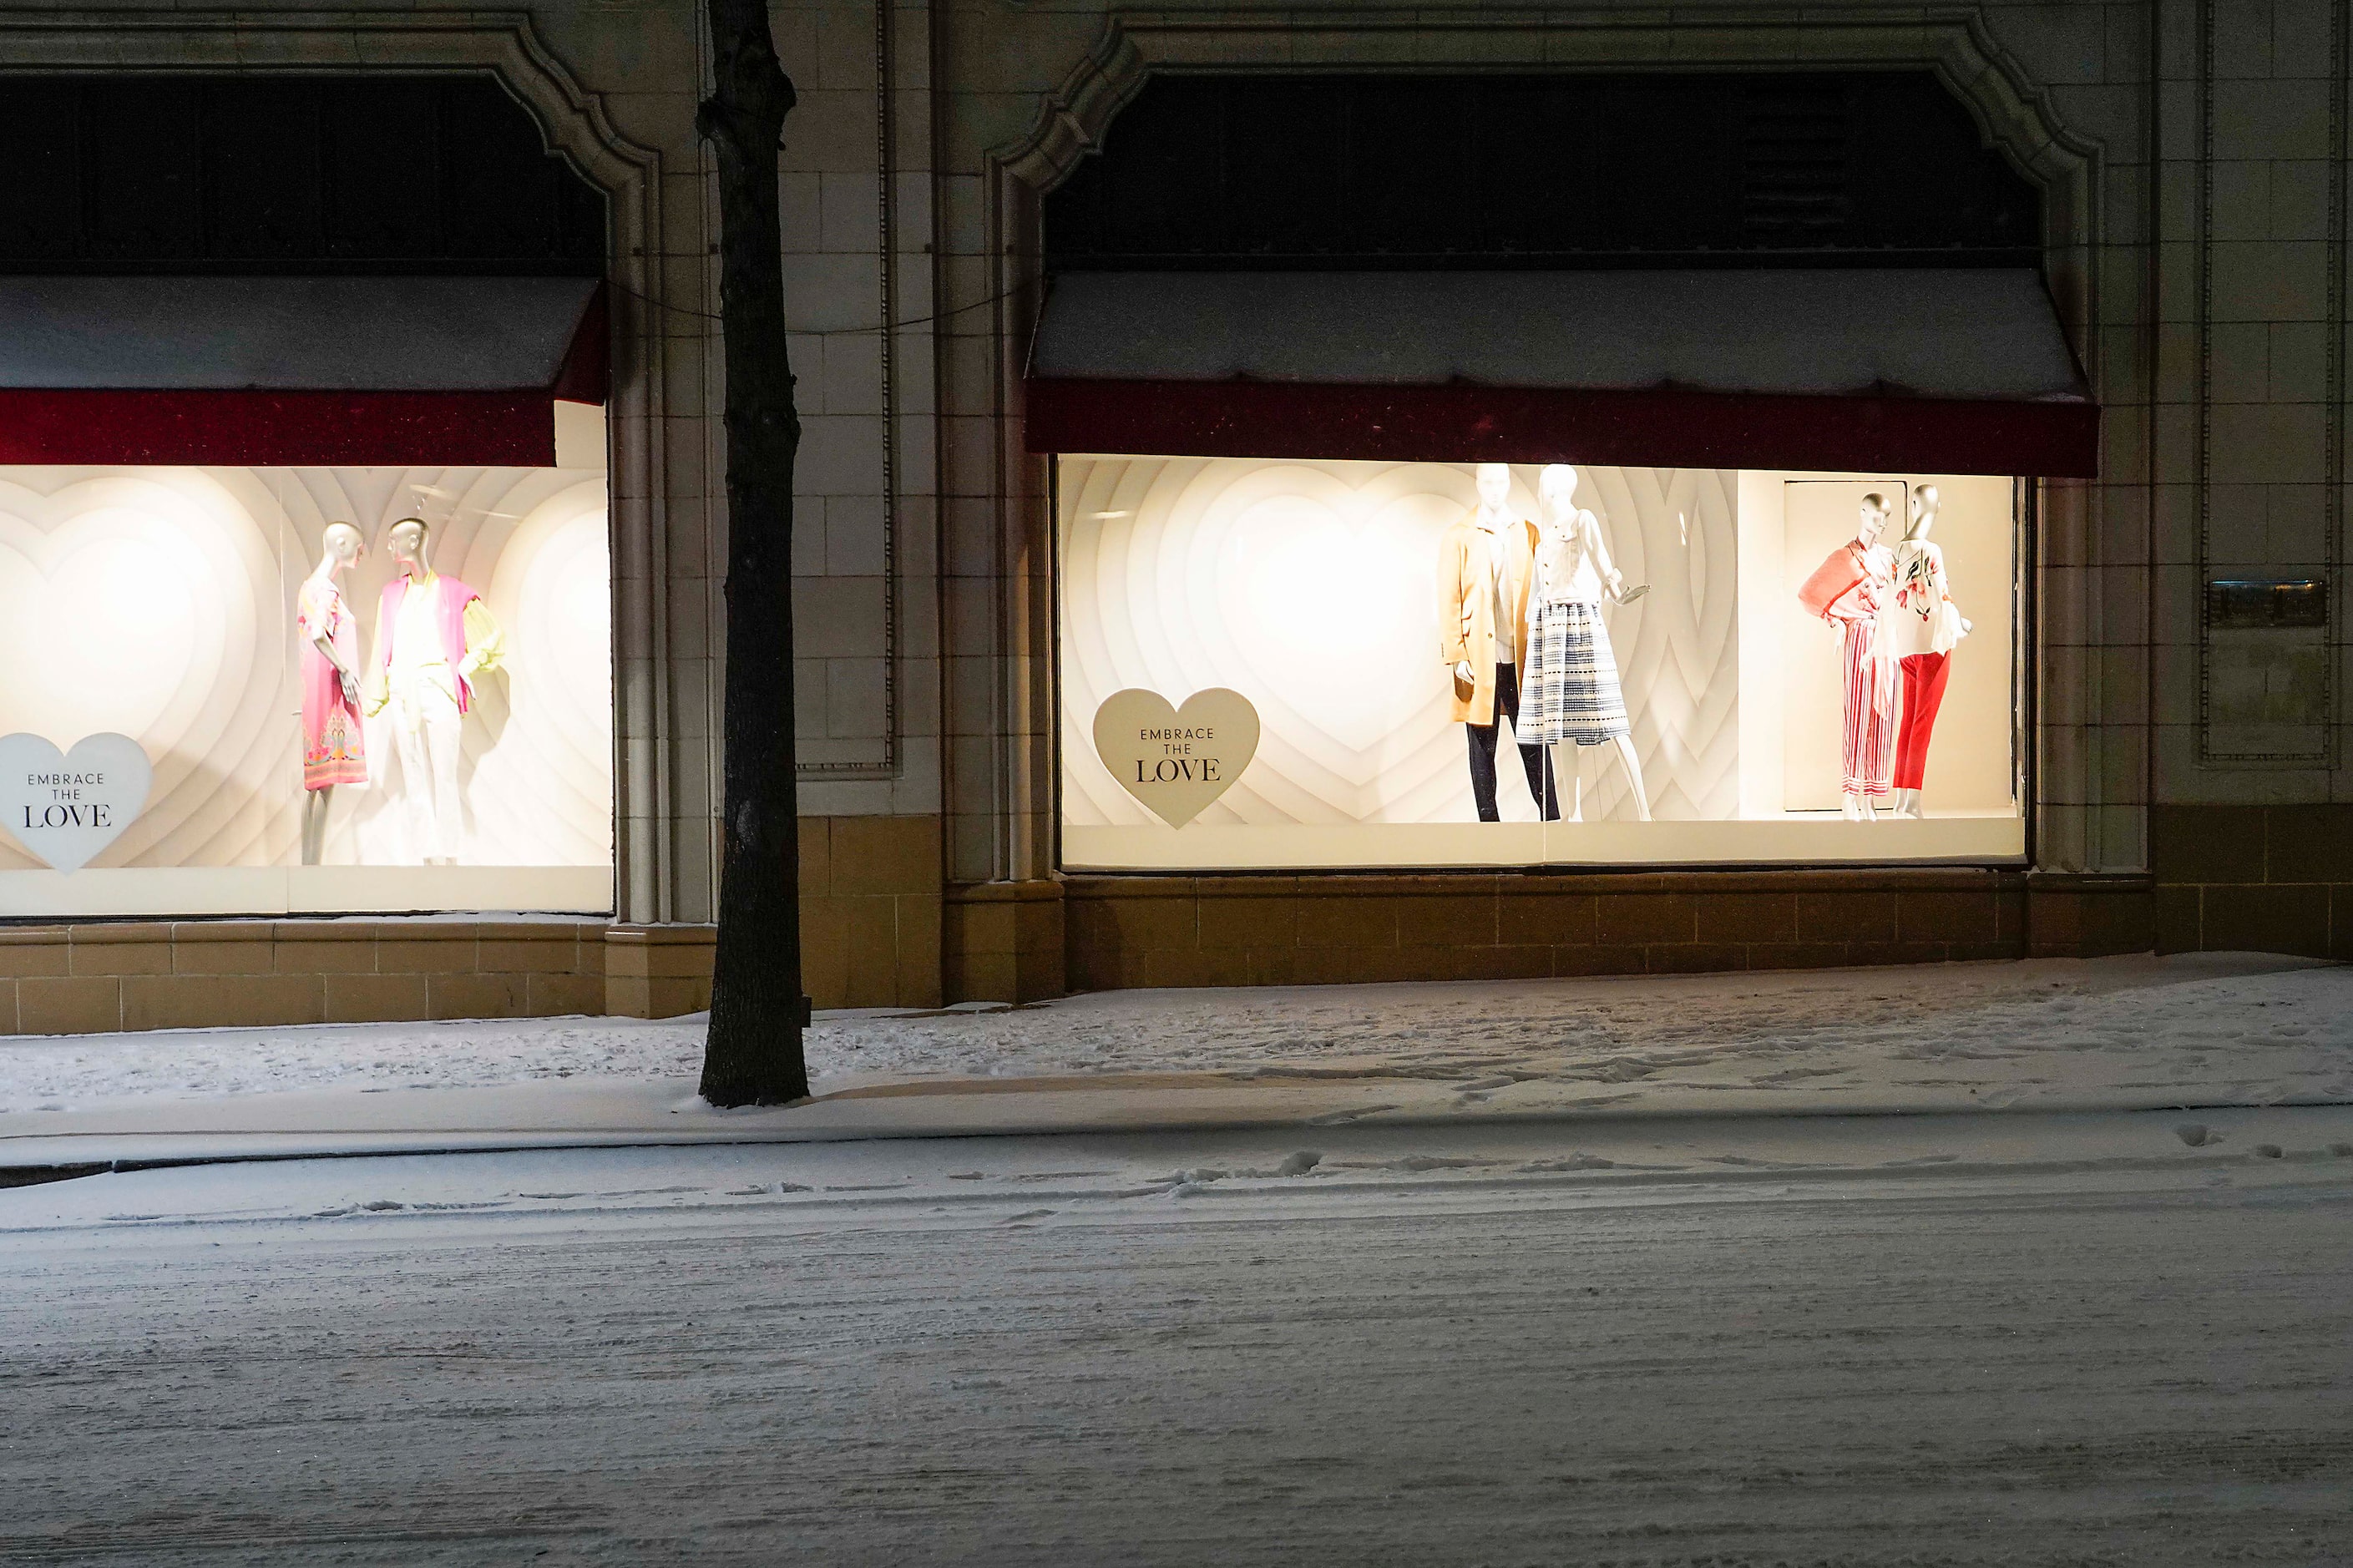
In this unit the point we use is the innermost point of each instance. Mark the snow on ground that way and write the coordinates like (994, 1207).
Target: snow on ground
(2098, 1341)
(2228, 1028)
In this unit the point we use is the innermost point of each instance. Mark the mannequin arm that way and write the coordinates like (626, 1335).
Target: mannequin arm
(348, 679)
(1608, 568)
(327, 651)
(485, 643)
(376, 690)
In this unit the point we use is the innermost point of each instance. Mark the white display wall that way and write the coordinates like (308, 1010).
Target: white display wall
(159, 603)
(1308, 588)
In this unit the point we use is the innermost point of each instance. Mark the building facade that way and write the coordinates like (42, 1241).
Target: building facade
(1146, 354)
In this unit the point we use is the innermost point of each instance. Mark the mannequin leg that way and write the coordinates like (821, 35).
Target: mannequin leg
(1532, 762)
(315, 823)
(1866, 742)
(1568, 781)
(1924, 678)
(416, 778)
(443, 731)
(1482, 738)
(1633, 767)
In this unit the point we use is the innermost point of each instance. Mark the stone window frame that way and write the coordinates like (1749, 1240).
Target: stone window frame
(572, 119)
(2066, 793)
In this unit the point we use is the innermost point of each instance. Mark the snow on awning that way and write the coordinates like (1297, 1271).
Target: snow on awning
(1960, 370)
(261, 370)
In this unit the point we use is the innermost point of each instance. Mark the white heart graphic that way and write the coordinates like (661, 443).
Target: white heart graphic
(67, 807)
(1325, 590)
(110, 606)
(1176, 760)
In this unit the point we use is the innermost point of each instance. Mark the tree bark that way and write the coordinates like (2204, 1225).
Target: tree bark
(751, 1054)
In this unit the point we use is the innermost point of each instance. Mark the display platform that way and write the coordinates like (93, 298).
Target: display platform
(1796, 840)
(266, 890)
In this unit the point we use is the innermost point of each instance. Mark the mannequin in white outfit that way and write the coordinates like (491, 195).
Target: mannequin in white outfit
(423, 693)
(1579, 704)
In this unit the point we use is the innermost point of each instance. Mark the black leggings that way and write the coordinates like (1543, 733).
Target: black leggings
(1483, 752)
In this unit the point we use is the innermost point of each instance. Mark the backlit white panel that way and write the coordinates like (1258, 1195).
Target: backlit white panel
(160, 603)
(1310, 587)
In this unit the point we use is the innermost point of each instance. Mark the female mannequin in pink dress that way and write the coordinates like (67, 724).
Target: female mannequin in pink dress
(334, 751)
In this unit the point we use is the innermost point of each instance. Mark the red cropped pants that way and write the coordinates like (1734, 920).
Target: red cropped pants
(1924, 688)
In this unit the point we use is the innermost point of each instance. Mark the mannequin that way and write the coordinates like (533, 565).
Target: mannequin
(1848, 590)
(433, 636)
(1484, 561)
(1573, 699)
(1924, 628)
(335, 745)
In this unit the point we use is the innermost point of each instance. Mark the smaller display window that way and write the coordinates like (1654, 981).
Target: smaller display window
(272, 690)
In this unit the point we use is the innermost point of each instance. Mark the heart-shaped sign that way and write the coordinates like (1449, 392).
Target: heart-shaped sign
(66, 806)
(1177, 760)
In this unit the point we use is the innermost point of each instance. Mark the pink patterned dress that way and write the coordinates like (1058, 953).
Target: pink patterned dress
(334, 751)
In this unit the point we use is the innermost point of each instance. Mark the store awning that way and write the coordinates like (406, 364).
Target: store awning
(259, 371)
(1950, 371)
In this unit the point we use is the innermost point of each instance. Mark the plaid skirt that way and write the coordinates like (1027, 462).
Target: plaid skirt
(1570, 688)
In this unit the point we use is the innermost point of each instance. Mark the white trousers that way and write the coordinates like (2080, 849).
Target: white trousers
(426, 730)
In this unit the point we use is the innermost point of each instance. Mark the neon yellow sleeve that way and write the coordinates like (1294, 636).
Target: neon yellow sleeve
(485, 643)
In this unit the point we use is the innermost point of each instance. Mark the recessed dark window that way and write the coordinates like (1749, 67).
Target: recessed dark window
(275, 174)
(1630, 170)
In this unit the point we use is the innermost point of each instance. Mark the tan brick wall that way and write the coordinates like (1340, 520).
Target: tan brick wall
(1006, 941)
(871, 910)
(871, 916)
(2262, 879)
(154, 974)
(657, 972)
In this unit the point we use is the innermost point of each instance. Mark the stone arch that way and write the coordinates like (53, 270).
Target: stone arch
(573, 123)
(2014, 113)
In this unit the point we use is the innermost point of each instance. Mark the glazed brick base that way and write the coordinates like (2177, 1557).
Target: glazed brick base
(1274, 931)
(2262, 879)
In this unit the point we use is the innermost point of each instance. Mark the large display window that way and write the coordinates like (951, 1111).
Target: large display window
(262, 691)
(1301, 664)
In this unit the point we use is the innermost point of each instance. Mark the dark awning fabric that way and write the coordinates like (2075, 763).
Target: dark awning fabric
(1938, 370)
(251, 370)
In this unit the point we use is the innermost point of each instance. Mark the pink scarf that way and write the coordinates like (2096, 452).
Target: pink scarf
(455, 597)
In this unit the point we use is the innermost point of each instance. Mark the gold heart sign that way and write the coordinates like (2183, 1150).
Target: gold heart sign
(1177, 760)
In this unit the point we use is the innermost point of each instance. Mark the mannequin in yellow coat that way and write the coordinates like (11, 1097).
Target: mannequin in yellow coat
(1484, 565)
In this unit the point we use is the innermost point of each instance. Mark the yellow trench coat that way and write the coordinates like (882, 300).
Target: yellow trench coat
(1466, 610)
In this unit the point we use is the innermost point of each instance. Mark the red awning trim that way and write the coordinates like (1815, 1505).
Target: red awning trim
(488, 429)
(1460, 423)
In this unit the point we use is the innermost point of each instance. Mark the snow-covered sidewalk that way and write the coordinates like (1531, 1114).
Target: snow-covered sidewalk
(2125, 1033)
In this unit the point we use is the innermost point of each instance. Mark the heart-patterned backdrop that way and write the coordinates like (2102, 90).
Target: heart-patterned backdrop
(159, 603)
(1309, 587)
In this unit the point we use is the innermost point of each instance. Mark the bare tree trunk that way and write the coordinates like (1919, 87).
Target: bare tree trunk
(753, 1053)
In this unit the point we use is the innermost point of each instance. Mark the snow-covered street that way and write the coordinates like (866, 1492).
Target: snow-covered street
(1622, 1272)
(2022, 1340)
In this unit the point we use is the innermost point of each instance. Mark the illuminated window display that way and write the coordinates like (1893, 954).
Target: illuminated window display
(290, 690)
(1271, 664)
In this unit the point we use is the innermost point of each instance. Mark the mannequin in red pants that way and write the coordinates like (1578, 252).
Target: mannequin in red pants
(1926, 627)
(1924, 688)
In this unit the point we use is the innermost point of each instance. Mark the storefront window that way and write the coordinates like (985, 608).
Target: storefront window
(231, 690)
(1274, 664)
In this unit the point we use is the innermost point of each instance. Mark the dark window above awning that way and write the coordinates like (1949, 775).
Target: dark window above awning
(1948, 370)
(254, 370)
